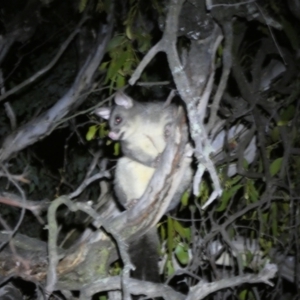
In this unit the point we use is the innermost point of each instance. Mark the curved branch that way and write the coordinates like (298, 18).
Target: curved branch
(227, 62)
(202, 290)
(43, 125)
(41, 72)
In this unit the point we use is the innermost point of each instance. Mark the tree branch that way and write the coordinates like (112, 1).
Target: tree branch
(43, 125)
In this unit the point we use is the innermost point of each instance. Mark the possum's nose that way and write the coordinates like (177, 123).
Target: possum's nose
(115, 135)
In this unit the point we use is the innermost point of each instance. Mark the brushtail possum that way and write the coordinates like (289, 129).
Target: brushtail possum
(142, 129)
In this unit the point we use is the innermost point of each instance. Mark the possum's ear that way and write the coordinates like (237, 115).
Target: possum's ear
(122, 99)
(103, 112)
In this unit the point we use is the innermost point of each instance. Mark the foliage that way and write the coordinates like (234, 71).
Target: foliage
(265, 190)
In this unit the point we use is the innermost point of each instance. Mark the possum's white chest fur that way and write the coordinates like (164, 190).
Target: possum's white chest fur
(132, 177)
(147, 136)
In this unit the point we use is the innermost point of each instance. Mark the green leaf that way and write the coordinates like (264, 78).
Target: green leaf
(275, 166)
(179, 229)
(115, 42)
(91, 132)
(287, 115)
(220, 50)
(120, 81)
(144, 41)
(117, 149)
(144, 46)
(129, 33)
(182, 254)
(253, 194)
(282, 123)
(188, 233)
(111, 86)
(243, 294)
(157, 5)
(170, 237)
(170, 268)
(185, 198)
(111, 72)
(226, 196)
(103, 66)
(275, 134)
(102, 130)
(128, 65)
(245, 164)
(116, 65)
(274, 219)
(82, 5)
(184, 232)
(163, 233)
(234, 180)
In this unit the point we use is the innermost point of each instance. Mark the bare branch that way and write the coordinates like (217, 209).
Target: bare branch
(23, 196)
(202, 290)
(227, 62)
(135, 287)
(87, 182)
(52, 245)
(43, 125)
(41, 72)
(36, 207)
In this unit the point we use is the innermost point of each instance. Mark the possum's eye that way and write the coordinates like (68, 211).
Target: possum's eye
(118, 120)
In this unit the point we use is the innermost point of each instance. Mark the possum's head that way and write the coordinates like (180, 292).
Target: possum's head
(123, 118)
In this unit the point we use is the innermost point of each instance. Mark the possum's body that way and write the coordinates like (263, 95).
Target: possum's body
(131, 180)
(142, 130)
